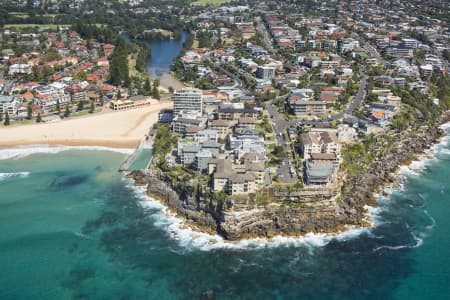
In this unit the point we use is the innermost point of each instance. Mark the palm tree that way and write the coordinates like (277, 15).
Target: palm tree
(29, 111)
(6, 123)
(67, 112)
(92, 109)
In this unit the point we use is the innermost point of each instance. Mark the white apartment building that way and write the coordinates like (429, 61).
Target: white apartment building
(8, 104)
(188, 100)
(319, 142)
(19, 69)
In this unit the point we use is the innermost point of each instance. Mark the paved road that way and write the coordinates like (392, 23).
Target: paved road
(374, 53)
(239, 82)
(265, 34)
(354, 104)
(446, 64)
(279, 126)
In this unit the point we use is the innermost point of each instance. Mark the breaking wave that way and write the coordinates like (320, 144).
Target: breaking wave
(4, 176)
(191, 239)
(417, 243)
(21, 152)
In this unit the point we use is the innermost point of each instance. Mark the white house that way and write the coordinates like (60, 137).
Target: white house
(19, 69)
(8, 104)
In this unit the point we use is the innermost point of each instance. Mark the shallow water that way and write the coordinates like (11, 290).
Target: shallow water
(72, 228)
(142, 160)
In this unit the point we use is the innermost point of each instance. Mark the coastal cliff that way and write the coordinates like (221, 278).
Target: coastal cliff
(358, 191)
(244, 221)
(236, 221)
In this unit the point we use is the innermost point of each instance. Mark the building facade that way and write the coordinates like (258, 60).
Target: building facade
(188, 99)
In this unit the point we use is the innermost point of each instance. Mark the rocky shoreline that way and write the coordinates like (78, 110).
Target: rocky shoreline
(359, 190)
(236, 222)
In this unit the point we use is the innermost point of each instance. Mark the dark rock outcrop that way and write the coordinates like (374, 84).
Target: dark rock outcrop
(245, 222)
(235, 222)
(358, 190)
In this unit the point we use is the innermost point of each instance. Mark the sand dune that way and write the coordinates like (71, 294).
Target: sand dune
(121, 129)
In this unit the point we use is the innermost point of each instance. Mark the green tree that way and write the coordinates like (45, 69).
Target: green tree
(36, 75)
(119, 64)
(92, 109)
(446, 54)
(219, 198)
(80, 105)
(171, 90)
(39, 118)
(101, 98)
(155, 92)
(67, 112)
(278, 151)
(419, 54)
(80, 75)
(58, 106)
(29, 111)
(6, 123)
(147, 87)
(156, 82)
(371, 97)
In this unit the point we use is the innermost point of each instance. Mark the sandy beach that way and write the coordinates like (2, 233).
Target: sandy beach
(167, 80)
(121, 129)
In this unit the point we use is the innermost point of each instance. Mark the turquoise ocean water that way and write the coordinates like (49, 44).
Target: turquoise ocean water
(72, 228)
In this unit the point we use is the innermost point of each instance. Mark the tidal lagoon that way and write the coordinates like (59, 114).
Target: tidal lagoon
(163, 54)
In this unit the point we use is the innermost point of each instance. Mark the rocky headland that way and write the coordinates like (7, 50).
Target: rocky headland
(294, 215)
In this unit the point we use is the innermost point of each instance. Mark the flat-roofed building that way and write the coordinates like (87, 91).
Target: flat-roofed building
(319, 142)
(227, 112)
(132, 102)
(319, 173)
(179, 125)
(223, 127)
(8, 104)
(76, 92)
(266, 71)
(300, 107)
(188, 100)
(236, 179)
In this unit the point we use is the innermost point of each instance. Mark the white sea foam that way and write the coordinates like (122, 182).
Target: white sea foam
(82, 235)
(418, 242)
(21, 152)
(432, 220)
(442, 148)
(444, 152)
(415, 167)
(189, 238)
(445, 126)
(4, 176)
(374, 217)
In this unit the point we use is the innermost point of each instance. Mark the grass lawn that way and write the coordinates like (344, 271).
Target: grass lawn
(79, 113)
(18, 123)
(41, 26)
(210, 2)
(19, 15)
